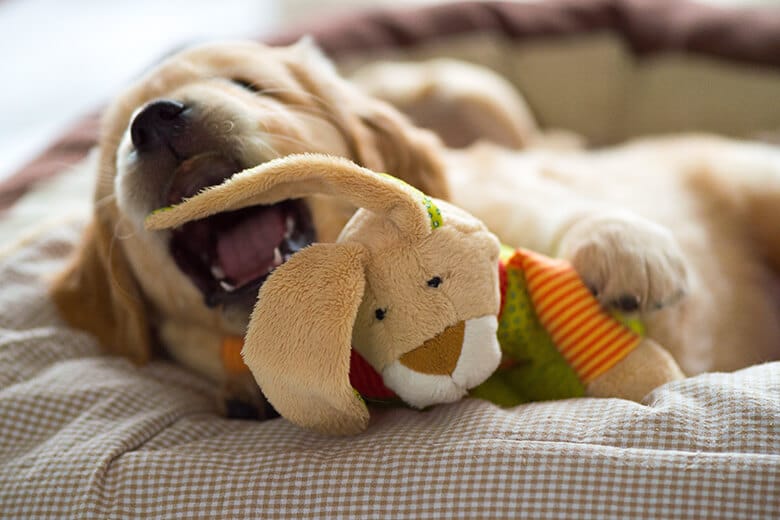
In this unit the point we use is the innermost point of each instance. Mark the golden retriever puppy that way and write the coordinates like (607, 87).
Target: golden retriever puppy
(191, 122)
(683, 231)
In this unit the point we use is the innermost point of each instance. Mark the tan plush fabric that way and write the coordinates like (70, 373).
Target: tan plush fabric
(90, 436)
(298, 345)
(324, 301)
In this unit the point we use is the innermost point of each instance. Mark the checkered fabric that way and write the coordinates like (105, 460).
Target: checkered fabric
(88, 436)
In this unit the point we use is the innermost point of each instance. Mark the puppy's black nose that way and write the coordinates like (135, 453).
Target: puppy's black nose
(156, 123)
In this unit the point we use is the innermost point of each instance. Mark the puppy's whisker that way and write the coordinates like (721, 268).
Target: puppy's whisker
(111, 276)
(327, 112)
(289, 139)
(262, 142)
(310, 110)
(304, 113)
(299, 92)
(262, 145)
(118, 235)
(108, 199)
(292, 111)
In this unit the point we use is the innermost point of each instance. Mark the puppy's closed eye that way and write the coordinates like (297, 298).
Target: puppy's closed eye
(246, 84)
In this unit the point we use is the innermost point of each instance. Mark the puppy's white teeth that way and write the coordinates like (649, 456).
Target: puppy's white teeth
(277, 257)
(290, 223)
(217, 272)
(226, 286)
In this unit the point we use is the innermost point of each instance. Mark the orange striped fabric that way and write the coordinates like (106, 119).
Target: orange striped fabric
(589, 339)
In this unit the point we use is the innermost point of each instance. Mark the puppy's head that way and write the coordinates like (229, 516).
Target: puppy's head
(193, 121)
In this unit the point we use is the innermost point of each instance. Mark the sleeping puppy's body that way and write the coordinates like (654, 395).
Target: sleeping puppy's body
(686, 230)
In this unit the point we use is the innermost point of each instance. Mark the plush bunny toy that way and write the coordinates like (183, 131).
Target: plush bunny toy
(411, 285)
(414, 286)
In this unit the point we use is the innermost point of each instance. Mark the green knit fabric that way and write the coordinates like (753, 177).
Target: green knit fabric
(533, 368)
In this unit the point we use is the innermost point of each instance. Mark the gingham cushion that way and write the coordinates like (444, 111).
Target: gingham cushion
(87, 436)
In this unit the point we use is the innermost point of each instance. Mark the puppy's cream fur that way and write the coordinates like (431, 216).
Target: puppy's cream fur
(690, 226)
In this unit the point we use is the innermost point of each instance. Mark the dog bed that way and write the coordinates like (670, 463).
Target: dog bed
(89, 436)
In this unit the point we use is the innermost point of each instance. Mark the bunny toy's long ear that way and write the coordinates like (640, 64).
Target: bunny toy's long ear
(300, 336)
(301, 175)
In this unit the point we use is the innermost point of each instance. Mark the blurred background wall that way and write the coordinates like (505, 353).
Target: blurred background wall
(61, 59)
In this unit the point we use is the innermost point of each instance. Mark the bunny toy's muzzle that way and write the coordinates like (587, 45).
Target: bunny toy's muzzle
(446, 366)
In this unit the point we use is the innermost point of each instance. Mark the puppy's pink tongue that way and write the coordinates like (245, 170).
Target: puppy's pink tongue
(246, 252)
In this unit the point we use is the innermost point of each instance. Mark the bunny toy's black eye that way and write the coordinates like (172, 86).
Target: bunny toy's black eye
(380, 314)
(434, 282)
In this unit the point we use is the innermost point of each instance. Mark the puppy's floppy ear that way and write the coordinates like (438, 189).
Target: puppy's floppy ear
(300, 336)
(97, 292)
(381, 138)
(394, 145)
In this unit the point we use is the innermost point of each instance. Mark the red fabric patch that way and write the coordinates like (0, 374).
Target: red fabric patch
(502, 281)
(366, 380)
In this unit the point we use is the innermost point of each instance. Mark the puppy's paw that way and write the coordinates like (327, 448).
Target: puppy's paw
(630, 264)
(241, 398)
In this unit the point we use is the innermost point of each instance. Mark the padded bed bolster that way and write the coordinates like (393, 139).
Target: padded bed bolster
(745, 36)
(649, 26)
(66, 151)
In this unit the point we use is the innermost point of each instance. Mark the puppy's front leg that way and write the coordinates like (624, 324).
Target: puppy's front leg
(630, 263)
(203, 350)
(241, 398)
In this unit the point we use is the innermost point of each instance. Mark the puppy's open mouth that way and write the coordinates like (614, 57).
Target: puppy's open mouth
(231, 254)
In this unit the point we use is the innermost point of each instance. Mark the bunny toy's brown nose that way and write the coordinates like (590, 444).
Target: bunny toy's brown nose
(439, 355)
